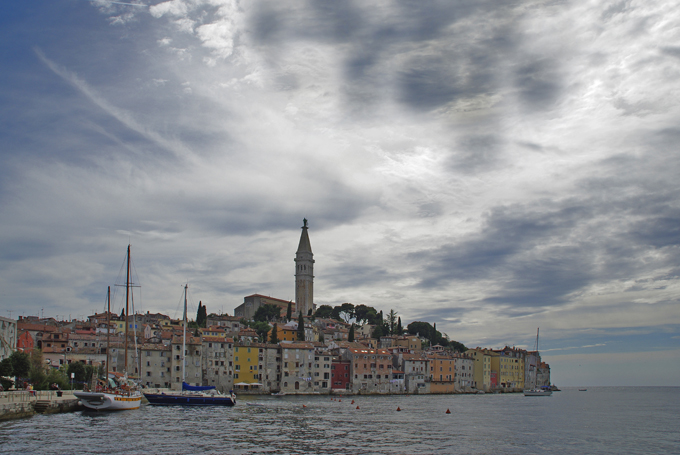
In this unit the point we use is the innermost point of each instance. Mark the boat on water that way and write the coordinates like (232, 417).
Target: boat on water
(279, 394)
(115, 393)
(535, 391)
(191, 395)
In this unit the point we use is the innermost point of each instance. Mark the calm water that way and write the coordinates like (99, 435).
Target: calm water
(611, 420)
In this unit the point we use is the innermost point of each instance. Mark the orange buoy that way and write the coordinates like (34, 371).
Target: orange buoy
(339, 400)
(352, 402)
(398, 408)
(357, 407)
(448, 412)
(304, 406)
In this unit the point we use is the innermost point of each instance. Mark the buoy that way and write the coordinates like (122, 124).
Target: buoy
(398, 408)
(448, 412)
(304, 406)
(339, 400)
(352, 402)
(357, 407)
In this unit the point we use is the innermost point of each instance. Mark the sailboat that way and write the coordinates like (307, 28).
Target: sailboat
(191, 395)
(111, 395)
(535, 391)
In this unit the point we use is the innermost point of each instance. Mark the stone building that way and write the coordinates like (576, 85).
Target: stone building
(156, 365)
(304, 275)
(217, 362)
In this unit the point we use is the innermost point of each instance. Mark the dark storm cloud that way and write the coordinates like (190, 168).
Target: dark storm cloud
(538, 83)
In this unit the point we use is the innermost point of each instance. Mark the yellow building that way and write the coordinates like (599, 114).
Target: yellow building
(482, 368)
(508, 364)
(246, 360)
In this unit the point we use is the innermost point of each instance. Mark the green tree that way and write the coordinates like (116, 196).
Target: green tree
(6, 367)
(301, 328)
(399, 329)
(267, 312)
(80, 373)
(201, 315)
(262, 328)
(324, 311)
(350, 335)
(344, 312)
(37, 372)
(365, 314)
(21, 364)
(275, 336)
(289, 311)
(378, 331)
(392, 321)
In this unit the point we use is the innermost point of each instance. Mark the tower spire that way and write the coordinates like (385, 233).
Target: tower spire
(304, 273)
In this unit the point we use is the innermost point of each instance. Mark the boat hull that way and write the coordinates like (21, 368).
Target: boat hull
(164, 399)
(537, 393)
(102, 401)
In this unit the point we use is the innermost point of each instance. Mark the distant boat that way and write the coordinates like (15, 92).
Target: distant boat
(535, 391)
(111, 395)
(278, 394)
(191, 395)
(582, 390)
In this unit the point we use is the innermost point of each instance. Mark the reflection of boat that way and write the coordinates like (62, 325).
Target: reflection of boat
(191, 395)
(111, 395)
(536, 391)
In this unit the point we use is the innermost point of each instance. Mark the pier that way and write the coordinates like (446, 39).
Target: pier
(21, 404)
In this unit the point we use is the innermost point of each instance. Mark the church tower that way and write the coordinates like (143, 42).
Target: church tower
(304, 274)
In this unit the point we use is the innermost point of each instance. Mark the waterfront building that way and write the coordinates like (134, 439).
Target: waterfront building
(508, 363)
(321, 370)
(297, 359)
(442, 372)
(304, 275)
(481, 370)
(192, 362)
(416, 368)
(218, 362)
(156, 365)
(246, 364)
(340, 373)
(464, 378)
(371, 369)
(269, 366)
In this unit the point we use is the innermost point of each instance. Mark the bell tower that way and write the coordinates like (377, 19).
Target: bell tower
(304, 274)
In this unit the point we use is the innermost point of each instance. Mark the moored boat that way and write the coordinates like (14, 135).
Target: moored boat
(111, 395)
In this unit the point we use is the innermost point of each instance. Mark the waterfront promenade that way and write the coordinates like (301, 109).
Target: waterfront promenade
(21, 403)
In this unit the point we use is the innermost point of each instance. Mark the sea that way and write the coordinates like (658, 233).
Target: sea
(599, 420)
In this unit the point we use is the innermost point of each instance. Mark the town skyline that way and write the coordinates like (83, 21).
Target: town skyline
(491, 167)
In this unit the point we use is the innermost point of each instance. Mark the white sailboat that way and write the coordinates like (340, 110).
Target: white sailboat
(123, 394)
(535, 391)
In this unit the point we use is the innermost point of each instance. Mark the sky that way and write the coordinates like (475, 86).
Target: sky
(492, 167)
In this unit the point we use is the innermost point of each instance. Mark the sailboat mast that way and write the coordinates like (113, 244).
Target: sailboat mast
(184, 338)
(108, 333)
(127, 307)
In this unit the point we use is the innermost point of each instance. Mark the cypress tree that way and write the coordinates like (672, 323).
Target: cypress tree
(289, 312)
(350, 336)
(400, 329)
(301, 328)
(275, 337)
